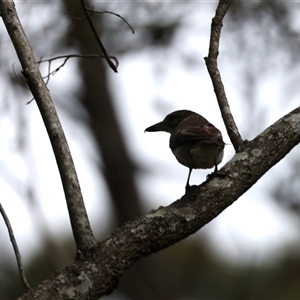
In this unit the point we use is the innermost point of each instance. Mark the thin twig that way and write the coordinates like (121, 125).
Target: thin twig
(212, 67)
(66, 58)
(110, 12)
(16, 248)
(102, 48)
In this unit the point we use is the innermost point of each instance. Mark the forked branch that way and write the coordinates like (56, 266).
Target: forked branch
(106, 263)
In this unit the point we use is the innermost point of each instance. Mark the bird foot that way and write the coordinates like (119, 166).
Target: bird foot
(217, 174)
(189, 187)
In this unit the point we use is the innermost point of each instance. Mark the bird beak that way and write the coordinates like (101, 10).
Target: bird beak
(161, 126)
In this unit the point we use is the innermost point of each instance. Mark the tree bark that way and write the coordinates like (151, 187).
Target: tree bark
(98, 271)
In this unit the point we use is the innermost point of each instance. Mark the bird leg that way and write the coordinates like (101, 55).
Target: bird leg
(216, 174)
(188, 179)
(216, 169)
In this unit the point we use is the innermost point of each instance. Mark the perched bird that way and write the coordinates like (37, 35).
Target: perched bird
(196, 143)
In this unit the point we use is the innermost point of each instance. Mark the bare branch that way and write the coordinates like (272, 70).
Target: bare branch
(82, 232)
(16, 248)
(102, 48)
(212, 67)
(110, 12)
(66, 58)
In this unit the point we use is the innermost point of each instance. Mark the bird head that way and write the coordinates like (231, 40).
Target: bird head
(171, 121)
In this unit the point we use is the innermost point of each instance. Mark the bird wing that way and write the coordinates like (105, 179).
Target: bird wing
(207, 134)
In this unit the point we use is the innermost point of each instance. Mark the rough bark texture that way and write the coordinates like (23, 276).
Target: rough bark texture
(98, 271)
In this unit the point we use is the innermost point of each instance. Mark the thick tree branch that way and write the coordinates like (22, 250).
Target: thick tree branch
(80, 224)
(212, 67)
(98, 272)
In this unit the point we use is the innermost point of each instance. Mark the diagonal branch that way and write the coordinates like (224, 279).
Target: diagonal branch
(212, 67)
(82, 232)
(16, 248)
(102, 267)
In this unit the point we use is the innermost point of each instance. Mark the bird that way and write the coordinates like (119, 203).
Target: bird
(195, 142)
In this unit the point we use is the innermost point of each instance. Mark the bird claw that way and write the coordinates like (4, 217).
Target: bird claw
(217, 174)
